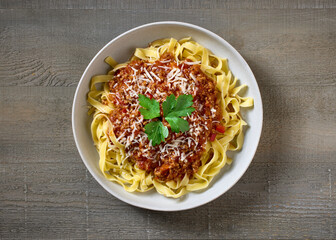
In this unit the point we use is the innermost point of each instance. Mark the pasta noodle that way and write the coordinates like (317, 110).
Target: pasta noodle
(114, 163)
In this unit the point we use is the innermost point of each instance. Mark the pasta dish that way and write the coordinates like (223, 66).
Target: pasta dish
(166, 118)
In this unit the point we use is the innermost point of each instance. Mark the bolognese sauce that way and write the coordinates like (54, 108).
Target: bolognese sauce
(180, 153)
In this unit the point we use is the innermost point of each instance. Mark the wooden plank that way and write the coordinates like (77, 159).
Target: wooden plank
(289, 191)
(42, 223)
(45, 48)
(285, 208)
(36, 125)
(161, 4)
(297, 123)
(265, 199)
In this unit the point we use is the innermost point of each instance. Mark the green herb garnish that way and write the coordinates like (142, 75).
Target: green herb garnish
(151, 108)
(173, 110)
(156, 132)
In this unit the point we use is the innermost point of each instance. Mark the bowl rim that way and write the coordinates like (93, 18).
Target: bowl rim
(212, 35)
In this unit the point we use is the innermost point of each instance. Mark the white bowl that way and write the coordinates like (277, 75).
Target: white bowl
(121, 48)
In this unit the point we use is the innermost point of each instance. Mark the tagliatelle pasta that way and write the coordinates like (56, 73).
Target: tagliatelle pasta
(185, 161)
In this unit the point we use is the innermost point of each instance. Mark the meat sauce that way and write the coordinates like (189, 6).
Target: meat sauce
(180, 153)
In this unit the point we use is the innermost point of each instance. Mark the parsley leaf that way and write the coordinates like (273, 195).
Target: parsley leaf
(178, 124)
(178, 108)
(151, 108)
(156, 132)
(168, 105)
(173, 110)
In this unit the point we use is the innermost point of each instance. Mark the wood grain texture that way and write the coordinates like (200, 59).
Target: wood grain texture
(288, 192)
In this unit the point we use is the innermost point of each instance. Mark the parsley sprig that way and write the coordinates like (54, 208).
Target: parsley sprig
(173, 110)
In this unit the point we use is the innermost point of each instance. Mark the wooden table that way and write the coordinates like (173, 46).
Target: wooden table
(289, 191)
